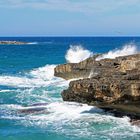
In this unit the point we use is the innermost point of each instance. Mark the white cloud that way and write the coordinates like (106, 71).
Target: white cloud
(82, 6)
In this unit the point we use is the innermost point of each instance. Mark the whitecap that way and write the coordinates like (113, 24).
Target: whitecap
(40, 77)
(127, 49)
(77, 53)
(32, 43)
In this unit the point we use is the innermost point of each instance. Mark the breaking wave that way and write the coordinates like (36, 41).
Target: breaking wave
(72, 119)
(77, 54)
(128, 49)
(43, 76)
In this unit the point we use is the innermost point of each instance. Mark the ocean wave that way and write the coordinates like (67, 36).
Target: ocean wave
(73, 119)
(43, 76)
(46, 72)
(6, 90)
(127, 49)
(77, 53)
(32, 43)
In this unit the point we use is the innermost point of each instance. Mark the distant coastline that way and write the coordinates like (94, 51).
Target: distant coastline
(12, 43)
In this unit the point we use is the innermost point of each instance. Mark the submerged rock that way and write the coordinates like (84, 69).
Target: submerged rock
(135, 122)
(34, 108)
(108, 83)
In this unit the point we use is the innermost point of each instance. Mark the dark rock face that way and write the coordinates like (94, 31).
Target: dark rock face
(113, 83)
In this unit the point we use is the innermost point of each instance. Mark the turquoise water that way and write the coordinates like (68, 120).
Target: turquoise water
(27, 78)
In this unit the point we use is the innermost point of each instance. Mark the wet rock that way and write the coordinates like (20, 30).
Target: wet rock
(31, 110)
(76, 70)
(108, 83)
(135, 122)
(34, 108)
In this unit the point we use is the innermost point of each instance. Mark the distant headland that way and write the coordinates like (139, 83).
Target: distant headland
(13, 43)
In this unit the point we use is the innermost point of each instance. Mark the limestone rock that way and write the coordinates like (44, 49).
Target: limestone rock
(108, 83)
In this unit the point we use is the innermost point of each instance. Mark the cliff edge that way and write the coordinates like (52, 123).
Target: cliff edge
(111, 84)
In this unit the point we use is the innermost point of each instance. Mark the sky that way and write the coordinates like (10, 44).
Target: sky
(69, 17)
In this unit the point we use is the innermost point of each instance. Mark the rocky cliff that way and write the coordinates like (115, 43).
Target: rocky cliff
(77, 70)
(111, 84)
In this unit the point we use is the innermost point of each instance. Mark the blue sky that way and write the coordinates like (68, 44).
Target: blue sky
(69, 17)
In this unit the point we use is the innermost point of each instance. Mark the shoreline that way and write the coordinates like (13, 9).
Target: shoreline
(13, 43)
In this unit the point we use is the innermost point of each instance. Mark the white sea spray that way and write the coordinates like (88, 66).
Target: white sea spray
(77, 53)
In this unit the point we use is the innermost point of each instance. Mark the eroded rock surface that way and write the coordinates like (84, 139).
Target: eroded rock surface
(108, 83)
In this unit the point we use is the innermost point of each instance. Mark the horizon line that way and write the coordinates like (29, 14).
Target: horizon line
(72, 36)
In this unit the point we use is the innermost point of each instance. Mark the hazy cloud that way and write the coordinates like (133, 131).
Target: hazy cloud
(83, 6)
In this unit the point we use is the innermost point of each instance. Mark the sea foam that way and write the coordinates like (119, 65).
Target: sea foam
(127, 49)
(43, 76)
(73, 119)
(77, 53)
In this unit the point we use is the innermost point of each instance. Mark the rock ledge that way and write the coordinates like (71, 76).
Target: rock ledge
(110, 84)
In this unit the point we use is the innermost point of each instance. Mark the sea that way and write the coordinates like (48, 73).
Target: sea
(31, 106)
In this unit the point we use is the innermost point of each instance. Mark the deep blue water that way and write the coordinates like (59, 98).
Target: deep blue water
(26, 78)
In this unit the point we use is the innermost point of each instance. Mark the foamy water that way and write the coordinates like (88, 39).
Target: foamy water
(128, 49)
(65, 118)
(73, 120)
(43, 76)
(77, 54)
